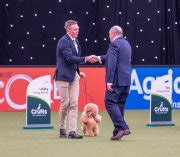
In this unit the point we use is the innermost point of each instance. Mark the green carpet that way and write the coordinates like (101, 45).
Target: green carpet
(143, 142)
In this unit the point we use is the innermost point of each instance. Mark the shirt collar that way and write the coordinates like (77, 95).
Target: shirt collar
(117, 37)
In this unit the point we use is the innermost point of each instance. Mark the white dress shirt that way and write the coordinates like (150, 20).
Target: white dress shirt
(75, 43)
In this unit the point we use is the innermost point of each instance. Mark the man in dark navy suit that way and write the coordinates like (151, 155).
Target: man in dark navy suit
(67, 76)
(118, 79)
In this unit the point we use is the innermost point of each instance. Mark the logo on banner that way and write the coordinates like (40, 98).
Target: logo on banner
(39, 111)
(161, 109)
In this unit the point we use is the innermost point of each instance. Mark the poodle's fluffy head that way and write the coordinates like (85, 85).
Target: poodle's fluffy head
(91, 109)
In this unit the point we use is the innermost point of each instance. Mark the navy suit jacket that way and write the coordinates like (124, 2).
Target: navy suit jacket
(118, 62)
(67, 59)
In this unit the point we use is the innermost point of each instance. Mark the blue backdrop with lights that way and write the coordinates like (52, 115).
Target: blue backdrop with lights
(30, 29)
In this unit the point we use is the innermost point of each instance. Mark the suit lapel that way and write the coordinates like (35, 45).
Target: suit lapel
(72, 45)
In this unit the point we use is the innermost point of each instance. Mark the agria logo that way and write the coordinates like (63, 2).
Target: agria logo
(161, 109)
(39, 111)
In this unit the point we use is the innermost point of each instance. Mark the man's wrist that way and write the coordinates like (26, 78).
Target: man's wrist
(99, 59)
(85, 58)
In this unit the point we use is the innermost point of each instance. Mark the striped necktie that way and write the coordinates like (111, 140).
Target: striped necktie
(76, 46)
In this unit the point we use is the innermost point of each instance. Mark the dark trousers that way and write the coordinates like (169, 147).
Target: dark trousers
(115, 103)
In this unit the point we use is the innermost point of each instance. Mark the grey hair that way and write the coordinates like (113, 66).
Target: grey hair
(69, 23)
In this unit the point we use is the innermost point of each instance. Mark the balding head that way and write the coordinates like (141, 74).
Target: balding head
(114, 32)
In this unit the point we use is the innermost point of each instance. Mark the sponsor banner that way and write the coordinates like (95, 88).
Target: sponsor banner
(161, 100)
(38, 110)
(141, 85)
(160, 110)
(14, 82)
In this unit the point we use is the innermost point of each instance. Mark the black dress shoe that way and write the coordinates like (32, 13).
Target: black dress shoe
(127, 132)
(118, 136)
(74, 135)
(62, 133)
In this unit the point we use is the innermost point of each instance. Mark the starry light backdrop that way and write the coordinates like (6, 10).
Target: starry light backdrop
(30, 29)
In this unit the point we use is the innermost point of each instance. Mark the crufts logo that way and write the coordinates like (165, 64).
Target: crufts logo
(161, 109)
(39, 111)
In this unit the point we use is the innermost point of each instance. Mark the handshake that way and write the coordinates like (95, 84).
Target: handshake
(92, 59)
